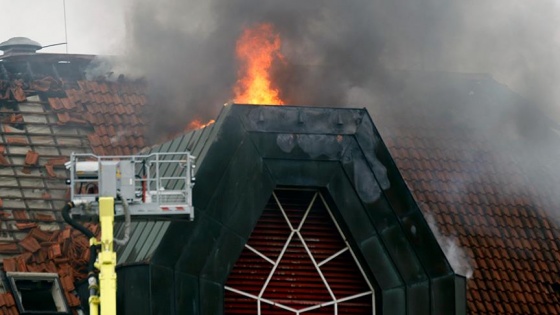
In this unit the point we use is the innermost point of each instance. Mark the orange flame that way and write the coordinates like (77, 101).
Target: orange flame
(197, 124)
(256, 49)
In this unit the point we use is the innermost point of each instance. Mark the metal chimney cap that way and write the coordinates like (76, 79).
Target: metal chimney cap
(20, 44)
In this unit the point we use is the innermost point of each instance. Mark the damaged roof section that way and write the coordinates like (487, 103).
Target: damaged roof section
(48, 109)
(44, 117)
(64, 252)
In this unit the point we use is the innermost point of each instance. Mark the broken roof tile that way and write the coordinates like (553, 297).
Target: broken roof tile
(3, 159)
(75, 118)
(16, 140)
(63, 118)
(50, 170)
(73, 301)
(31, 158)
(14, 119)
(30, 244)
(20, 215)
(55, 251)
(9, 264)
(9, 248)
(25, 226)
(40, 235)
(58, 160)
(40, 257)
(18, 93)
(67, 282)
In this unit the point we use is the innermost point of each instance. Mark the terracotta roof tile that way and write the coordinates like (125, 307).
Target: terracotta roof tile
(72, 299)
(25, 226)
(20, 215)
(103, 88)
(31, 158)
(94, 140)
(9, 248)
(100, 119)
(40, 257)
(16, 140)
(3, 160)
(40, 235)
(508, 237)
(93, 86)
(50, 170)
(108, 99)
(82, 85)
(55, 103)
(100, 101)
(9, 299)
(67, 103)
(30, 244)
(99, 150)
(127, 109)
(55, 251)
(106, 142)
(92, 108)
(63, 117)
(9, 264)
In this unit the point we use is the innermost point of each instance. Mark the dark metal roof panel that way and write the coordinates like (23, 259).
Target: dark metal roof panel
(145, 237)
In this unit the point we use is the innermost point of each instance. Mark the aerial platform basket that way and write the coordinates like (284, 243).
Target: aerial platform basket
(153, 184)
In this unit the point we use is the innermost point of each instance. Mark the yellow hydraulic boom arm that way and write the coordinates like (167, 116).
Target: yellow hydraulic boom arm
(107, 261)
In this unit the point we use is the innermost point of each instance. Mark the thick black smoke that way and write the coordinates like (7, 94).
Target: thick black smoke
(185, 48)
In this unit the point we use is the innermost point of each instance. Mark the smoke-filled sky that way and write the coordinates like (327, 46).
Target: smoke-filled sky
(331, 46)
(186, 47)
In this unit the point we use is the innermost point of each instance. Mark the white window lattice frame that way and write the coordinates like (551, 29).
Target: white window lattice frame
(295, 232)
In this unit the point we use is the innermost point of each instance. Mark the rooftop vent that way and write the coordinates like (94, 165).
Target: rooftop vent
(19, 45)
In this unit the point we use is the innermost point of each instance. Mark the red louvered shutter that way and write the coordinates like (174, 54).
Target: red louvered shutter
(296, 260)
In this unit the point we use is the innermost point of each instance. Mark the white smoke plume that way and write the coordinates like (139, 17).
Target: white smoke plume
(456, 256)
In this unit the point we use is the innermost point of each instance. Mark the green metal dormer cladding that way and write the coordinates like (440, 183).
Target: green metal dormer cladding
(243, 160)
